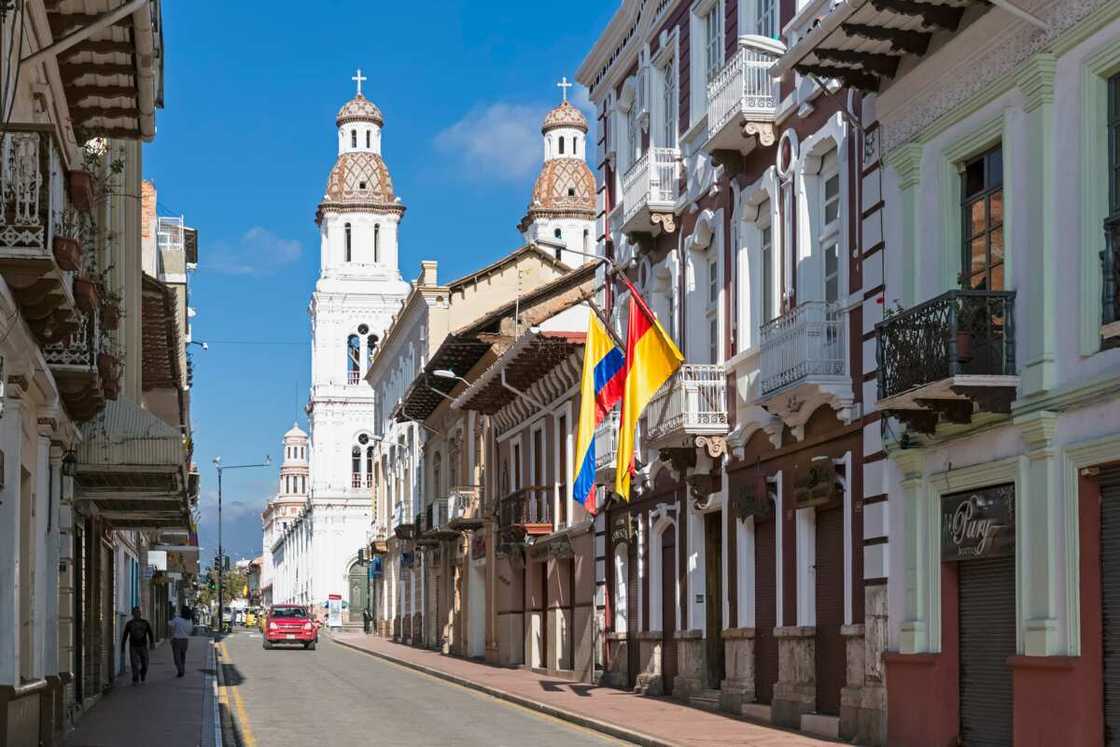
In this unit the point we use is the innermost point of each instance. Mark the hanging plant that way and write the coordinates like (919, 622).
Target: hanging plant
(79, 183)
(85, 294)
(67, 241)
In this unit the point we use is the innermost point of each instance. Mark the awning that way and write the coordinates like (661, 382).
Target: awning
(132, 465)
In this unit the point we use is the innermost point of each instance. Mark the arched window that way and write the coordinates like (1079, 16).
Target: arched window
(369, 466)
(353, 359)
(371, 346)
(367, 138)
(356, 467)
(575, 145)
(376, 242)
(353, 138)
(586, 241)
(561, 145)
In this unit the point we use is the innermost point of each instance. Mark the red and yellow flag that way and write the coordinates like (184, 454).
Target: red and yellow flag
(651, 358)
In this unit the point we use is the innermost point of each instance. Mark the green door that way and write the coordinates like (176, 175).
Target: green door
(359, 590)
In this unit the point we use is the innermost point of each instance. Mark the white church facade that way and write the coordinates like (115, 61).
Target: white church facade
(358, 291)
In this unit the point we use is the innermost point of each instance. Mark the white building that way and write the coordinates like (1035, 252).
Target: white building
(358, 291)
(283, 508)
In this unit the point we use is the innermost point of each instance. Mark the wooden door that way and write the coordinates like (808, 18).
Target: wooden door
(831, 656)
(544, 615)
(713, 598)
(668, 608)
(765, 610)
(633, 614)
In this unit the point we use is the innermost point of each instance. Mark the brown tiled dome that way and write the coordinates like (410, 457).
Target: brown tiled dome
(564, 115)
(359, 109)
(565, 186)
(360, 180)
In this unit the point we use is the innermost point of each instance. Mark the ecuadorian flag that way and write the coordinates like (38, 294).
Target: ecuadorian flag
(651, 358)
(600, 388)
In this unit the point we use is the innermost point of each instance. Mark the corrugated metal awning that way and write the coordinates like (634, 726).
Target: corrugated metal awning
(127, 435)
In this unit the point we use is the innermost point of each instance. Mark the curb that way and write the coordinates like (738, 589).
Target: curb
(618, 732)
(231, 735)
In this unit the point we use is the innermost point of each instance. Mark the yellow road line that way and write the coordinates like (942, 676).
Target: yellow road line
(241, 716)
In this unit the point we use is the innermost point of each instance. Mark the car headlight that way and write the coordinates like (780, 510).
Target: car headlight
(307, 626)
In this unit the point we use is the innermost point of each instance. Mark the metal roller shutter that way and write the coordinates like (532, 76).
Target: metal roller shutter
(765, 612)
(1110, 600)
(987, 639)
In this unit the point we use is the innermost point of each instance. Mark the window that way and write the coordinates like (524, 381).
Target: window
(376, 242)
(982, 216)
(561, 145)
(765, 18)
(713, 339)
(355, 467)
(713, 310)
(367, 138)
(1114, 145)
(669, 105)
(369, 466)
(353, 138)
(575, 145)
(348, 242)
(713, 41)
(713, 282)
(1110, 267)
(769, 307)
(829, 242)
(371, 347)
(353, 359)
(563, 467)
(633, 136)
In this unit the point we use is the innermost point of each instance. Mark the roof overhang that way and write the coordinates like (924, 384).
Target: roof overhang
(863, 43)
(528, 360)
(457, 353)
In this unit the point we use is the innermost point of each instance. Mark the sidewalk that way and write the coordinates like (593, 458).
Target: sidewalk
(165, 711)
(648, 721)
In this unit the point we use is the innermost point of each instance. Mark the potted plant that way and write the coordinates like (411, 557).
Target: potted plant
(85, 293)
(110, 308)
(80, 185)
(67, 244)
(108, 365)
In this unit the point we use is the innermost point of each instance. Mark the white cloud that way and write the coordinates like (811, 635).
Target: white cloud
(258, 251)
(501, 140)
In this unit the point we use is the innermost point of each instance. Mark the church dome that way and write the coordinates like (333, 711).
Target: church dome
(295, 432)
(359, 109)
(360, 180)
(565, 186)
(564, 115)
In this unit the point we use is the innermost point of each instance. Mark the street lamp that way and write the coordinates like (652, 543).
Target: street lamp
(221, 557)
(446, 373)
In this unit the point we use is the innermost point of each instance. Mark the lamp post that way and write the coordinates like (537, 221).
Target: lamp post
(221, 556)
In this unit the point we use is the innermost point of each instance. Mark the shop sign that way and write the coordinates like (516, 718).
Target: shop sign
(978, 524)
(624, 528)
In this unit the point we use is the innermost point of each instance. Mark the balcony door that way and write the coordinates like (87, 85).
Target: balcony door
(982, 218)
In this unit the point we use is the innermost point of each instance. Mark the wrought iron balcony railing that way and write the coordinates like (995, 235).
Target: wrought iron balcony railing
(527, 508)
(810, 340)
(435, 516)
(692, 403)
(959, 333)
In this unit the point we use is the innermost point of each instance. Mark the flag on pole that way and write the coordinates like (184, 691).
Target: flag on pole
(600, 388)
(651, 358)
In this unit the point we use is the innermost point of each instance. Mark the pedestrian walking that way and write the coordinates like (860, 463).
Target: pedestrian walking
(181, 629)
(138, 634)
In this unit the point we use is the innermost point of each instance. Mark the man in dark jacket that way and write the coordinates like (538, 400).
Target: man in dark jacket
(138, 634)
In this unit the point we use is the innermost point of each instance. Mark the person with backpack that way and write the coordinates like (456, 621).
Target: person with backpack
(138, 634)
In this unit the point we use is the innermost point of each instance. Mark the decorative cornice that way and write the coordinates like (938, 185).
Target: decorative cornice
(906, 161)
(1038, 429)
(1036, 80)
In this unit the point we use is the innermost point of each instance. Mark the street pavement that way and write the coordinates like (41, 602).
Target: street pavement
(335, 695)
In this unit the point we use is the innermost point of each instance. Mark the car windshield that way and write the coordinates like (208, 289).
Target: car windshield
(279, 612)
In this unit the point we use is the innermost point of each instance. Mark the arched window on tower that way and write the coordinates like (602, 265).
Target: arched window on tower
(353, 138)
(367, 138)
(371, 347)
(369, 467)
(575, 145)
(348, 242)
(561, 145)
(356, 467)
(353, 359)
(376, 243)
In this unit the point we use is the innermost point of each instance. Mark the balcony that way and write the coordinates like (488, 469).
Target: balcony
(82, 370)
(526, 512)
(1110, 286)
(434, 521)
(606, 447)
(690, 406)
(805, 364)
(948, 359)
(40, 246)
(465, 509)
(743, 98)
(650, 189)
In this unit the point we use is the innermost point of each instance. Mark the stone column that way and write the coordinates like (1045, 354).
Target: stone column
(738, 688)
(650, 679)
(691, 664)
(918, 629)
(863, 701)
(795, 692)
(45, 580)
(906, 162)
(11, 442)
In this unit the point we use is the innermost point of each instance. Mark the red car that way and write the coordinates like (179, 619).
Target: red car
(289, 623)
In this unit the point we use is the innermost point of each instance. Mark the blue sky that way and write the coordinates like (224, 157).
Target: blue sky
(243, 149)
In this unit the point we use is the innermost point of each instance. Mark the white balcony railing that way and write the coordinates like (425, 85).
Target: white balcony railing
(463, 503)
(810, 340)
(693, 402)
(651, 182)
(606, 442)
(744, 86)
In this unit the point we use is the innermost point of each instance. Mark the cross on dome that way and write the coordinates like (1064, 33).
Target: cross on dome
(359, 78)
(564, 85)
